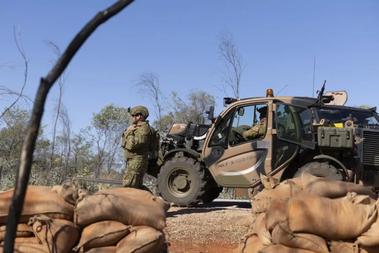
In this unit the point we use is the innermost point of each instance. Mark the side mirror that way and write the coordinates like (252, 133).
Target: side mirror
(210, 112)
(241, 111)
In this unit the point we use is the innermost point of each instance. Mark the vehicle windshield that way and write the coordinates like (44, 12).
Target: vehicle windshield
(340, 115)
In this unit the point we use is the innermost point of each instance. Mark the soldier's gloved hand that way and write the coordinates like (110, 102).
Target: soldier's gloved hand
(132, 128)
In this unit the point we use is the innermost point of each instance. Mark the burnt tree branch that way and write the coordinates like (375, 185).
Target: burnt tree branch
(46, 83)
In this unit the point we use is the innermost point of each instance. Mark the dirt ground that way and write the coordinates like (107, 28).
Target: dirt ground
(207, 229)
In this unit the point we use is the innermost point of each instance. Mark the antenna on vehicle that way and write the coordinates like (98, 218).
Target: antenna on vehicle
(314, 75)
(321, 92)
(285, 86)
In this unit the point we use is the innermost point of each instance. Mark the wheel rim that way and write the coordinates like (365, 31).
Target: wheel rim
(179, 182)
(331, 172)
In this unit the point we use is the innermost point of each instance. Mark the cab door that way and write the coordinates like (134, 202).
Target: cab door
(294, 130)
(233, 159)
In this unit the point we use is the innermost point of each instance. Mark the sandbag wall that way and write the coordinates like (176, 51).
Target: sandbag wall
(46, 222)
(121, 220)
(62, 219)
(311, 214)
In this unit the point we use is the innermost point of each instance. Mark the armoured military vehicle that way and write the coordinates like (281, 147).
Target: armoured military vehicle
(318, 135)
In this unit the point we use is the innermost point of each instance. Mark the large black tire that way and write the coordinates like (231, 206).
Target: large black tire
(321, 169)
(182, 181)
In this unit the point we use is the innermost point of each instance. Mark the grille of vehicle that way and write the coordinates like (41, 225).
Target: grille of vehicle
(370, 148)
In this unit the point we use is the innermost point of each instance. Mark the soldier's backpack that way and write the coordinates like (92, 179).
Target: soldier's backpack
(154, 144)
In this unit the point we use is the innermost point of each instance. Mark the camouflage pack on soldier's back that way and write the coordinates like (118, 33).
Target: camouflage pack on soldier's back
(154, 144)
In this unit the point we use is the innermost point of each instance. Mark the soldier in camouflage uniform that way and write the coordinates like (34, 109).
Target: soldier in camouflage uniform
(135, 142)
(258, 130)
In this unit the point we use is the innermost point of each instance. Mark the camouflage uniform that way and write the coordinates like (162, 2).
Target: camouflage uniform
(136, 141)
(256, 131)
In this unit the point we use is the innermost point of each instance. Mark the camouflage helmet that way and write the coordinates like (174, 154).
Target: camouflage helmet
(140, 109)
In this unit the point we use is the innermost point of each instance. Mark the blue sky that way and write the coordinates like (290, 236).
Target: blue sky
(178, 40)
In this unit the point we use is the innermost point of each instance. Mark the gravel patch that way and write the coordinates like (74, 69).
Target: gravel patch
(208, 225)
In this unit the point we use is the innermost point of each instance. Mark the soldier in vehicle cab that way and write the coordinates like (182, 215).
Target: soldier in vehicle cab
(259, 129)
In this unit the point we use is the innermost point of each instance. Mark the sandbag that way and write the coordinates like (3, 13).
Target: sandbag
(356, 198)
(126, 205)
(82, 193)
(371, 236)
(261, 230)
(38, 200)
(324, 187)
(28, 240)
(110, 249)
(269, 182)
(67, 191)
(23, 230)
(142, 239)
(58, 235)
(343, 247)
(281, 234)
(262, 201)
(347, 247)
(373, 249)
(328, 217)
(306, 179)
(301, 181)
(282, 249)
(249, 244)
(101, 234)
(276, 214)
(285, 190)
(27, 248)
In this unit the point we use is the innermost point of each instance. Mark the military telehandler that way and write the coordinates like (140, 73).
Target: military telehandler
(319, 135)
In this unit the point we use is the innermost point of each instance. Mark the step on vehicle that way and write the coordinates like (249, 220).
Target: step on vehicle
(319, 135)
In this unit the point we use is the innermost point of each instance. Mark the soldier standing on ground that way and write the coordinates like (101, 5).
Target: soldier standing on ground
(135, 142)
(259, 129)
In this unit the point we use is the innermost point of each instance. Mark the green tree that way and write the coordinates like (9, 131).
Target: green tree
(82, 157)
(165, 122)
(12, 133)
(109, 124)
(193, 109)
(183, 111)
